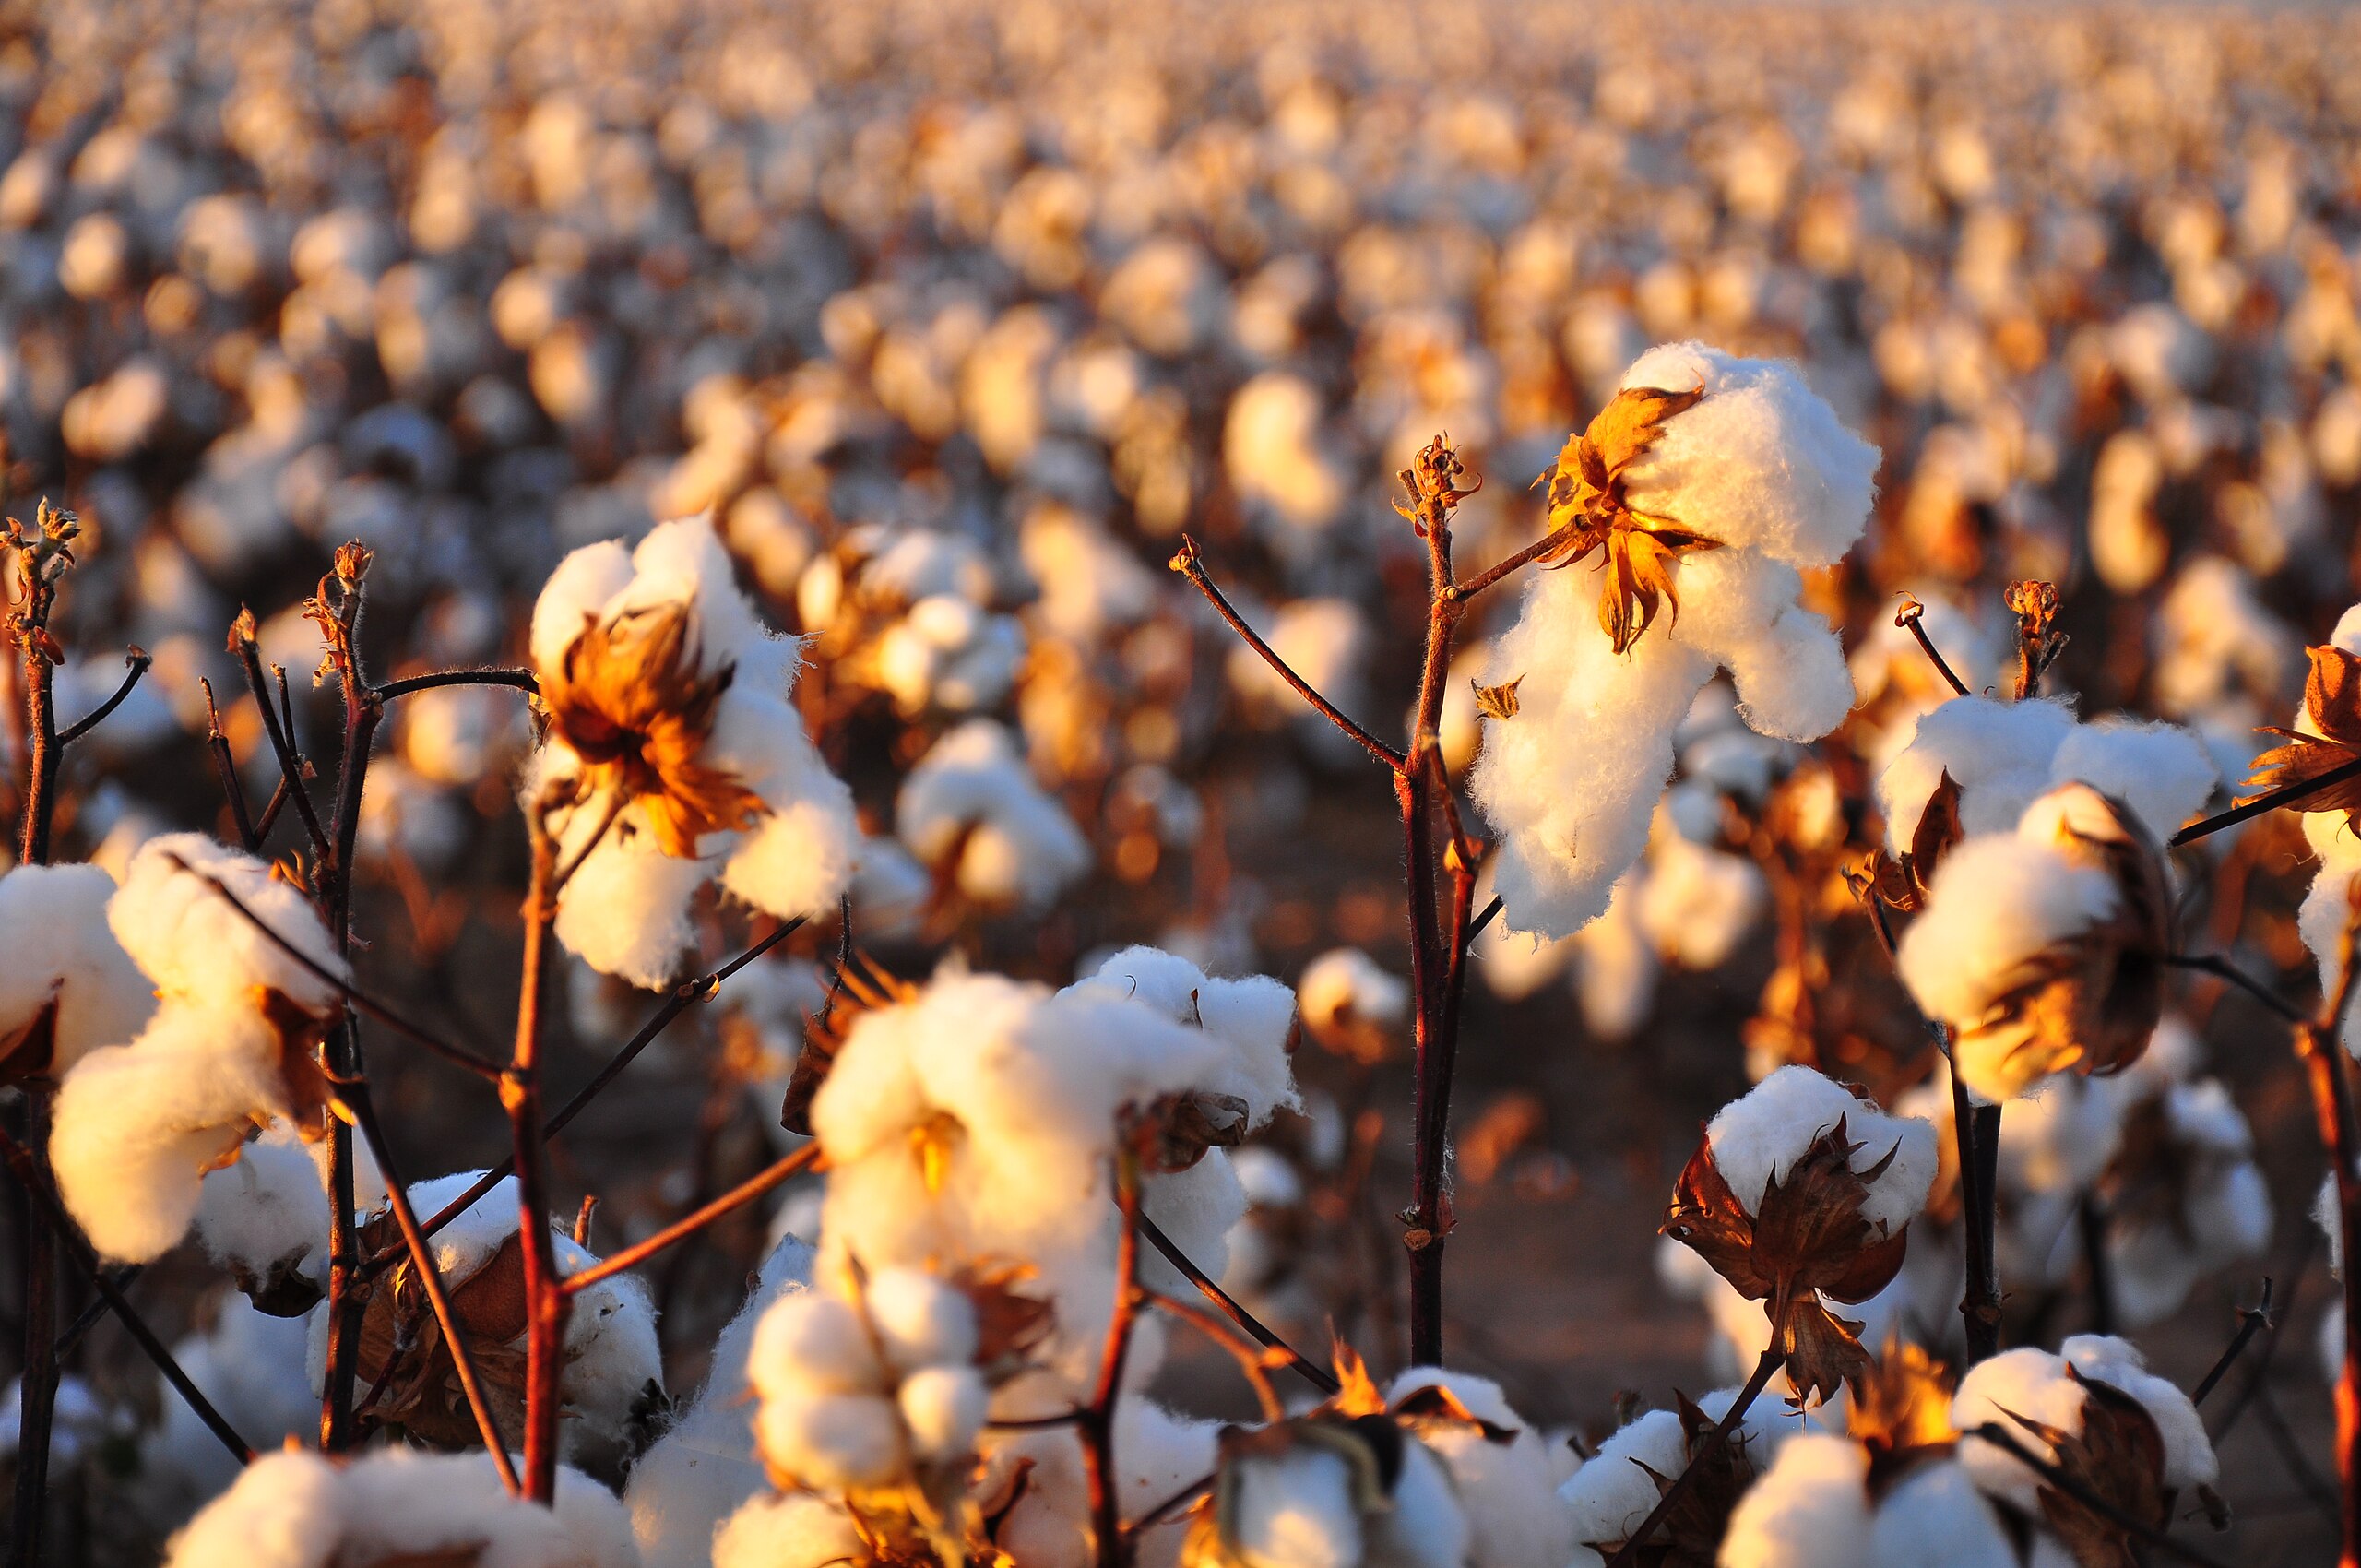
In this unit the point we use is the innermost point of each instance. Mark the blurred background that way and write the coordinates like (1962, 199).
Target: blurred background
(957, 314)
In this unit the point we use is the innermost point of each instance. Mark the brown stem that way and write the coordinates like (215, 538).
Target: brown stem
(1628, 1553)
(2222, 968)
(1470, 587)
(2268, 801)
(1251, 1359)
(2316, 1043)
(282, 741)
(38, 1386)
(138, 662)
(1189, 564)
(226, 768)
(1097, 1423)
(1312, 1372)
(2251, 1321)
(522, 680)
(1911, 617)
(546, 1300)
(354, 1098)
(737, 1198)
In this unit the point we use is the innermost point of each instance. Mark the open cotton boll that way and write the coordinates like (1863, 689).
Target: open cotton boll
(293, 1509)
(942, 1409)
(973, 796)
(2000, 754)
(1811, 1509)
(1696, 903)
(2030, 1383)
(269, 1211)
(833, 1441)
(2161, 771)
(1612, 1492)
(193, 944)
(62, 951)
(795, 1529)
(1996, 901)
(1253, 1016)
(1761, 460)
(1298, 1511)
(2189, 1453)
(704, 1467)
(135, 1126)
(1344, 989)
(1757, 1138)
(1937, 1517)
(815, 1342)
(1507, 1491)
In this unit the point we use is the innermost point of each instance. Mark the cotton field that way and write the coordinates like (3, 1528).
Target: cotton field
(1237, 786)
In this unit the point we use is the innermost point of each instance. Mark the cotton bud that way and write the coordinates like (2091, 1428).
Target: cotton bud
(1801, 1191)
(2044, 949)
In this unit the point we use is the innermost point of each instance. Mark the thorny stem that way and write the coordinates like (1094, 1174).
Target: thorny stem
(25, 1166)
(1096, 1421)
(1312, 1372)
(738, 1197)
(2251, 1321)
(356, 1102)
(2072, 1485)
(2316, 1043)
(1628, 1553)
(546, 1303)
(702, 989)
(1188, 563)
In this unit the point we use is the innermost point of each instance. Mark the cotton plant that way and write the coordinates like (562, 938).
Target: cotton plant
(228, 1050)
(674, 756)
(1704, 489)
(1612, 1492)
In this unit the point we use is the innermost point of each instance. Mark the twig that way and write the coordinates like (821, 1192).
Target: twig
(2072, 1485)
(354, 1098)
(1172, 1503)
(27, 1170)
(2269, 800)
(1910, 617)
(90, 1314)
(1491, 912)
(2222, 968)
(746, 1191)
(1469, 587)
(1311, 1371)
(138, 662)
(359, 1000)
(546, 1299)
(1628, 1553)
(1189, 564)
(226, 766)
(1252, 1360)
(2089, 1219)
(1096, 1420)
(522, 680)
(283, 741)
(2251, 1321)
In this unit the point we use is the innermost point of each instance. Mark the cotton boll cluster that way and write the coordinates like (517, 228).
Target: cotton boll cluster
(971, 810)
(675, 757)
(1507, 1477)
(1613, 1489)
(1764, 469)
(229, 1047)
(297, 1510)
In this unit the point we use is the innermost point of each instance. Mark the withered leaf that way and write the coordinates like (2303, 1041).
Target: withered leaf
(1433, 1406)
(1498, 702)
(628, 697)
(1690, 1535)
(1178, 1131)
(2332, 697)
(1938, 828)
(407, 1366)
(1586, 494)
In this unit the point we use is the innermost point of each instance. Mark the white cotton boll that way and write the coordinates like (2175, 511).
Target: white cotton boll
(1345, 984)
(267, 1210)
(575, 595)
(797, 859)
(704, 1466)
(1253, 1016)
(1757, 1138)
(625, 911)
(2000, 754)
(1697, 904)
(61, 949)
(1613, 1490)
(972, 792)
(1936, 1517)
(2030, 1383)
(1427, 1526)
(612, 1357)
(1997, 900)
(285, 1510)
(943, 1408)
(793, 1530)
(812, 1341)
(135, 1124)
(919, 1319)
(2161, 771)
(1197, 1209)
(1760, 460)
(1809, 1510)
(193, 943)
(2189, 1453)
(1507, 1491)
(831, 1440)
(1296, 1511)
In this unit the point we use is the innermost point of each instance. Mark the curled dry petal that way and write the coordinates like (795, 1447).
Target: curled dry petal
(1586, 494)
(2332, 698)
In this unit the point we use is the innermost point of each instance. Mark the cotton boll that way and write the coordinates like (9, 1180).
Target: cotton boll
(2000, 755)
(1296, 1511)
(1937, 1516)
(1809, 1510)
(1255, 1016)
(831, 1441)
(1613, 1491)
(2189, 1453)
(919, 1320)
(944, 1409)
(1696, 904)
(1507, 1493)
(625, 911)
(793, 1530)
(62, 950)
(267, 1212)
(1757, 1138)
(2161, 771)
(1278, 458)
(972, 793)
(812, 1341)
(189, 939)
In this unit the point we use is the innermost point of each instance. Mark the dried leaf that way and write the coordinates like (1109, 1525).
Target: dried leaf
(2332, 698)
(1498, 702)
(1586, 494)
(1938, 828)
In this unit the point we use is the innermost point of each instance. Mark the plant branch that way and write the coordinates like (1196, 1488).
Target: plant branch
(546, 1300)
(1910, 617)
(1096, 1421)
(1469, 587)
(1251, 1359)
(283, 742)
(521, 680)
(138, 662)
(226, 768)
(2251, 1321)
(2269, 800)
(738, 1197)
(1628, 1555)
(2222, 968)
(1311, 1371)
(1189, 564)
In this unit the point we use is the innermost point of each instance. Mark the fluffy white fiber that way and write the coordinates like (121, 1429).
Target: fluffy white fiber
(625, 911)
(1765, 468)
(293, 1509)
(793, 1529)
(971, 796)
(60, 950)
(1343, 986)
(1938, 1519)
(1760, 1138)
(269, 1211)
(2033, 1384)
(1811, 1509)
(1508, 1491)
(1996, 902)
(195, 947)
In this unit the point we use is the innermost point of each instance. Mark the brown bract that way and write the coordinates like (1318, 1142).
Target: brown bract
(629, 698)
(408, 1378)
(1587, 492)
(2091, 1003)
(2119, 1455)
(1690, 1535)
(1806, 1240)
(1902, 882)
(2332, 698)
